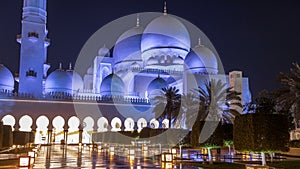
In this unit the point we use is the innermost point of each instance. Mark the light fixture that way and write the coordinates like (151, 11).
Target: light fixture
(166, 165)
(166, 157)
(24, 161)
(131, 151)
(174, 151)
(145, 148)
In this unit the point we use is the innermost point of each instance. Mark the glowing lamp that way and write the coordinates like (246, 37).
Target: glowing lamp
(166, 157)
(166, 165)
(174, 151)
(31, 154)
(131, 152)
(24, 161)
(145, 148)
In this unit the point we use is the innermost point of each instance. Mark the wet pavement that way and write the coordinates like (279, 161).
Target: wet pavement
(62, 156)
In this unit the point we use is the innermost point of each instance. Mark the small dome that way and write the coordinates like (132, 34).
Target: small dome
(6, 79)
(112, 85)
(104, 51)
(156, 85)
(165, 35)
(202, 59)
(128, 46)
(63, 82)
(77, 82)
(58, 81)
(90, 70)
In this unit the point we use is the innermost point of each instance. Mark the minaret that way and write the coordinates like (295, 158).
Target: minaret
(34, 45)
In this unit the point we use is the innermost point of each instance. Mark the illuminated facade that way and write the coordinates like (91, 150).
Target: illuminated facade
(116, 90)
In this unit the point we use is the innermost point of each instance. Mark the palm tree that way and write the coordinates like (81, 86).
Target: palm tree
(214, 105)
(264, 103)
(215, 100)
(168, 104)
(190, 106)
(288, 97)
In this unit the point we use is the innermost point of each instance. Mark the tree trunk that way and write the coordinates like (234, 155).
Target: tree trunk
(271, 156)
(209, 155)
(229, 150)
(263, 159)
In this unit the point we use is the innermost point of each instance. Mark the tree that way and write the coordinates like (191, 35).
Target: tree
(261, 132)
(189, 109)
(264, 103)
(288, 96)
(213, 99)
(168, 104)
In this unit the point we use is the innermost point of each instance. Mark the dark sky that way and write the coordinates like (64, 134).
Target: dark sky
(260, 37)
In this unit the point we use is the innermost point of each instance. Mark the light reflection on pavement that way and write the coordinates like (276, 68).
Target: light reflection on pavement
(62, 156)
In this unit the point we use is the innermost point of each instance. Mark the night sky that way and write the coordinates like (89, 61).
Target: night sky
(261, 38)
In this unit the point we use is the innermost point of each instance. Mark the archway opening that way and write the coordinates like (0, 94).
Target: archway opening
(58, 129)
(102, 124)
(9, 120)
(141, 123)
(25, 123)
(165, 123)
(129, 124)
(41, 134)
(88, 128)
(116, 124)
(73, 131)
(154, 124)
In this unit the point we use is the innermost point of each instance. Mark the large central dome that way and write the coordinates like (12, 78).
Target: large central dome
(165, 36)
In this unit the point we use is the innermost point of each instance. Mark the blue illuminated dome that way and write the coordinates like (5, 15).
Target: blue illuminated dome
(156, 85)
(61, 81)
(127, 49)
(76, 80)
(165, 34)
(112, 85)
(58, 81)
(201, 60)
(6, 79)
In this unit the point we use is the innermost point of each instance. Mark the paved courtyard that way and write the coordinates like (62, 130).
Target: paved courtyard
(58, 156)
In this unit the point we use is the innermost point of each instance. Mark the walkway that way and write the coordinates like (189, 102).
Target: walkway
(58, 156)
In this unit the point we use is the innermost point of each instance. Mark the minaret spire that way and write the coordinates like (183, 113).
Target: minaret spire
(165, 8)
(60, 66)
(137, 20)
(199, 42)
(70, 66)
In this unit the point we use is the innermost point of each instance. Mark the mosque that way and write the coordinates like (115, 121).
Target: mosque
(116, 90)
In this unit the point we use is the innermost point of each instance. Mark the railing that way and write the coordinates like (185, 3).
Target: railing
(156, 71)
(79, 98)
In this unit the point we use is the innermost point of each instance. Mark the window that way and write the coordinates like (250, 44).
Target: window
(31, 73)
(33, 34)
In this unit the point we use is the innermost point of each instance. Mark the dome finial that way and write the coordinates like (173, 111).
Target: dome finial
(70, 66)
(199, 42)
(60, 66)
(165, 8)
(137, 20)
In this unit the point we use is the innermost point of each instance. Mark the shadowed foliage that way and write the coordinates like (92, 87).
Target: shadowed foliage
(168, 104)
